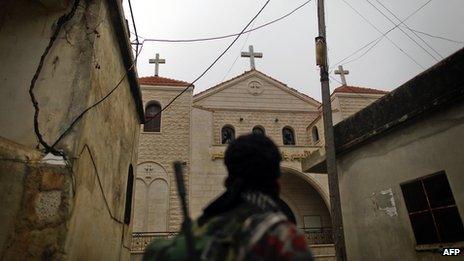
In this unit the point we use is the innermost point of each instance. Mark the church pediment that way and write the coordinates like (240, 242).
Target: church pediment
(257, 91)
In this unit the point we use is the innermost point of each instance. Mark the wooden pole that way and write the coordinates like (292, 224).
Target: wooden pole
(336, 210)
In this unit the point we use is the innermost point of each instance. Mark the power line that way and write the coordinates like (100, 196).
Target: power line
(412, 39)
(359, 57)
(135, 30)
(74, 122)
(438, 37)
(335, 79)
(226, 36)
(94, 105)
(418, 36)
(383, 35)
(387, 32)
(238, 55)
(212, 64)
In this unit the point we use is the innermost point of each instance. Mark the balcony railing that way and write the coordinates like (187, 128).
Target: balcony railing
(316, 236)
(140, 240)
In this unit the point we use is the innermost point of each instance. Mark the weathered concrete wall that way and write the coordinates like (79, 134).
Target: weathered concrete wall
(424, 146)
(25, 30)
(83, 65)
(35, 199)
(162, 149)
(109, 136)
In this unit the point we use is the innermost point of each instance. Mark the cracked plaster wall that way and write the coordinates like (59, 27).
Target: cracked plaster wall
(84, 64)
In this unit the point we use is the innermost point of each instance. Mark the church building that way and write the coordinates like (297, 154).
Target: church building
(196, 130)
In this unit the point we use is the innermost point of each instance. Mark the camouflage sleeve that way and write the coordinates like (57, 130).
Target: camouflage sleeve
(283, 242)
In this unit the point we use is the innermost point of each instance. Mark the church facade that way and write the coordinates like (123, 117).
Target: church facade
(196, 130)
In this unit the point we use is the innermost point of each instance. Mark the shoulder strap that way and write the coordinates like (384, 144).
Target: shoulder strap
(255, 227)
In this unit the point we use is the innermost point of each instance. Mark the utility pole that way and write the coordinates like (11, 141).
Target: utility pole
(336, 210)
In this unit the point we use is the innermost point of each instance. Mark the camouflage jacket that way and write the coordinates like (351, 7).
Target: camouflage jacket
(253, 230)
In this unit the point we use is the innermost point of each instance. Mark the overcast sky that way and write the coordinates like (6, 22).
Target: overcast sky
(288, 45)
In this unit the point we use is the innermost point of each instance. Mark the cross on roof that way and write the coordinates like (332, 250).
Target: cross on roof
(157, 61)
(252, 56)
(342, 74)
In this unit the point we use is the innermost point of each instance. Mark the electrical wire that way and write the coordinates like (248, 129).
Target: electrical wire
(359, 57)
(383, 34)
(229, 35)
(437, 37)
(92, 106)
(212, 64)
(74, 122)
(238, 55)
(135, 30)
(407, 35)
(405, 25)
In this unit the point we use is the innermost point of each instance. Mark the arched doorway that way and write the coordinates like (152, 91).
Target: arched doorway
(308, 207)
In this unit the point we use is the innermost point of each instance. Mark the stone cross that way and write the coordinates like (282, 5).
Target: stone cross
(157, 61)
(342, 74)
(252, 56)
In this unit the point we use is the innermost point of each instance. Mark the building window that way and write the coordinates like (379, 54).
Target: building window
(129, 190)
(432, 210)
(288, 136)
(315, 134)
(152, 117)
(258, 130)
(227, 134)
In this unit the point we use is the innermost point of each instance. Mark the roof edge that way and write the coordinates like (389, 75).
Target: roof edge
(218, 87)
(117, 18)
(440, 86)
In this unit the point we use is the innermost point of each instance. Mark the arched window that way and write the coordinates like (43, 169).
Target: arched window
(315, 134)
(151, 203)
(258, 130)
(288, 136)
(227, 134)
(152, 117)
(129, 190)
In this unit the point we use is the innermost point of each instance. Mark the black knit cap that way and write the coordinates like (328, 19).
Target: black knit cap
(254, 159)
(253, 163)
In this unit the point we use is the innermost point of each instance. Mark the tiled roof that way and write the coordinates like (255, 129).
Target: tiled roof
(354, 89)
(254, 70)
(161, 81)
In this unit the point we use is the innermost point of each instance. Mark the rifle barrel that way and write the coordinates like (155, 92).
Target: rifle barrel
(187, 223)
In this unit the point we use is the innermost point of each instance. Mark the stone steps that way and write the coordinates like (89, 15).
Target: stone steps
(323, 252)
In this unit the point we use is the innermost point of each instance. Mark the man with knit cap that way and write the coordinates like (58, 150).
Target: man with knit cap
(248, 221)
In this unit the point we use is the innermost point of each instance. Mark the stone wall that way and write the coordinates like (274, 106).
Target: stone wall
(35, 199)
(208, 170)
(165, 147)
(298, 121)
